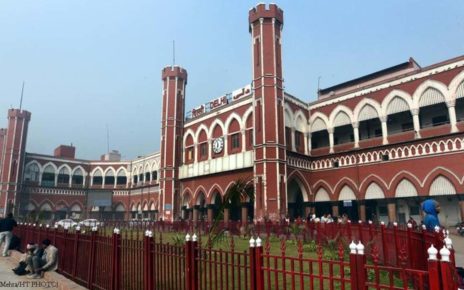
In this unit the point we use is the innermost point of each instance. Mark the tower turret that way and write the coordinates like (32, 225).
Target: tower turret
(12, 161)
(270, 152)
(172, 123)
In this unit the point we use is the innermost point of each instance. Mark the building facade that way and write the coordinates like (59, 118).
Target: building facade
(373, 147)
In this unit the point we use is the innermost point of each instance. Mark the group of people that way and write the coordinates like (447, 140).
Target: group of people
(37, 259)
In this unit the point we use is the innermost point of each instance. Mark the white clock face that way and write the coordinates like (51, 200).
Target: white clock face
(218, 145)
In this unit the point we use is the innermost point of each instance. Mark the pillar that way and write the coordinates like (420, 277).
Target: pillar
(331, 139)
(210, 213)
(308, 209)
(461, 208)
(293, 139)
(244, 214)
(383, 120)
(362, 211)
(195, 213)
(452, 115)
(335, 212)
(391, 206)
(356, 134)
(416, 121)
(226, 216)
(308, 142)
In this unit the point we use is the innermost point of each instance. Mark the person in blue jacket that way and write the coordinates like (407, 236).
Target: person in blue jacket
(431, 208)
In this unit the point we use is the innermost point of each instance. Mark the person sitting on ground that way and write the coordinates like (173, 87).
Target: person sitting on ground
(329, 219)
(431, 209)
(32, 250)
(48, 261)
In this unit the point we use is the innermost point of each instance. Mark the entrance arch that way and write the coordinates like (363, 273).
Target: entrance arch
(296, 197)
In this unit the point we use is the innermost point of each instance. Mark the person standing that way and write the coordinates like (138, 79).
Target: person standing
(6, 227)
(431, 209)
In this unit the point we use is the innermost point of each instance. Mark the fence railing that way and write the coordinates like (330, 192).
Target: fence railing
(143, 260)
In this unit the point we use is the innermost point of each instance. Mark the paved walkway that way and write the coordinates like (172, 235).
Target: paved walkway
(458, 245)
(8, 280)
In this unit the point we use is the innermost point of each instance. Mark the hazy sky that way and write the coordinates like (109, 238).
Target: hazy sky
(90, 63)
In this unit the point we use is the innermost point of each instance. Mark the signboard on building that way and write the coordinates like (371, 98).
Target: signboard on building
(99, 198)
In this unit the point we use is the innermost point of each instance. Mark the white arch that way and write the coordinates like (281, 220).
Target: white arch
(213, 125)
(322, 195)
(442, 186)
(120, 208)
(109, 171)
(200, 128)
(246, 115)
(374, 191)
(46, 207)
(123, 171)
(422, 88)
(36, 163)
(233, 116)
(186, 134)
(323, 120)
(30, 206)
(363, 104)
(396, 94)
(48, 165)
(346, 193)
(76, 208)
(301, 123)
(96, 170)
(289, 117)
(84, 173)
(454, 84)
(65, 166)
(336, 114)
(405, 188)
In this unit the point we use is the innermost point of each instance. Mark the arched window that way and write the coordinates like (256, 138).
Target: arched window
(203, 149)
(135, 177)
(121, 179)
(154, 175)
(32, 173)
(343, 130)
(189, 149)
(460, 102)
(97, 178)
(300, 124)
(319, 134)
(235, 137)
(48, 176)
(63, 176)
(77, 178)
(369, 123)
(433, 110)
(399, 117)
(109, 177)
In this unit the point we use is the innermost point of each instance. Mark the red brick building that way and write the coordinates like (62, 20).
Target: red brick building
(372, 147)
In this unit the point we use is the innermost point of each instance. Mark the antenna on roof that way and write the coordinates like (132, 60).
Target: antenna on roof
(319, 83)
(21, 100)
(107, 139)
(173, 52)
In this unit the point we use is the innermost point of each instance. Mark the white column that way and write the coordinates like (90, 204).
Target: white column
(383, 119)
(452, 115)
(308, 143)
(243, 140)
(356, 134)
(331, 139)
(416, 121)
(293, 139)
(210, 149)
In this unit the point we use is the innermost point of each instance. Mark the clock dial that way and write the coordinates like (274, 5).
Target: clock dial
(218, 145)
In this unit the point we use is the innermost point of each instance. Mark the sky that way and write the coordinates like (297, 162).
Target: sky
(89, 65)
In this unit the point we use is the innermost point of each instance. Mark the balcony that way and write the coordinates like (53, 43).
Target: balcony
(217, 165)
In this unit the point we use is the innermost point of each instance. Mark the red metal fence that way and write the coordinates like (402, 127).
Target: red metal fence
(138, 260)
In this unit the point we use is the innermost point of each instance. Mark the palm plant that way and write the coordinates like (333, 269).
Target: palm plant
(236, 194)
